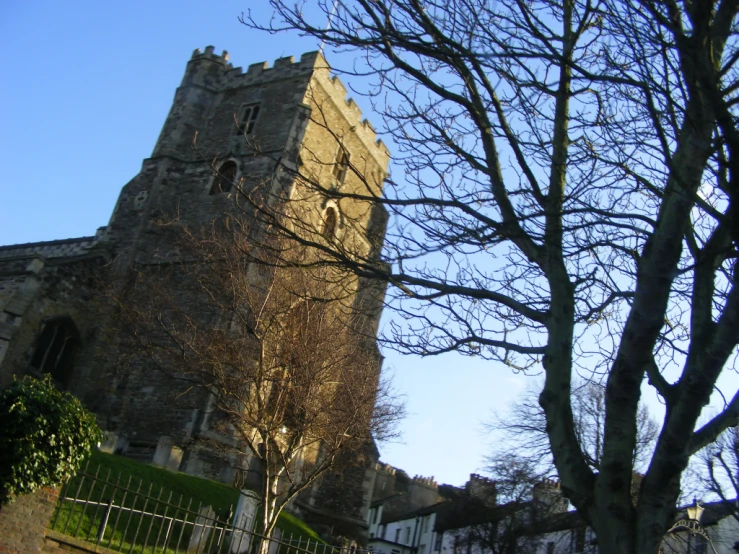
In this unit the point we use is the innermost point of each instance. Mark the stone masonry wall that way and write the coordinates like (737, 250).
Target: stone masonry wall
(23, 523)
(173, 190)
(49, 249)
(34, 290)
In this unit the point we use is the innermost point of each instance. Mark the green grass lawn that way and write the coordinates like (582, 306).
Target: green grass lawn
(143, 487)
(291, 525)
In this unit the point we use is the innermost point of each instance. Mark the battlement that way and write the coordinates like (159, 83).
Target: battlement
(333, 85)
(210, 55)
(283, 68)
(311, 64)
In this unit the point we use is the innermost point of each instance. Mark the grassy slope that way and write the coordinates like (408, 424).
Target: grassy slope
(221, 497)
(217, 495)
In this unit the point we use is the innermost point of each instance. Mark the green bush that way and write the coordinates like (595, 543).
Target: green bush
(44, 436)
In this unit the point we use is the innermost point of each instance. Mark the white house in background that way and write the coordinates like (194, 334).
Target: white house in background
(412, 533)
(562, 533)
(718, 520)
(417, 516)
(538, 522)
(419, 530)
(567, 533)
(396, 494)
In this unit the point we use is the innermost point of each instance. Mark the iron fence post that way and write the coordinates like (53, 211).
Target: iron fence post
(104, 521)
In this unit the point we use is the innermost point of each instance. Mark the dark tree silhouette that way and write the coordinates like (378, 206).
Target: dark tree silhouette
(564, 196)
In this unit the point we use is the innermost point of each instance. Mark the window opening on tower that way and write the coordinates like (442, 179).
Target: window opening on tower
(340, 167)
(247, 120)
(224, 180)
(330, 220)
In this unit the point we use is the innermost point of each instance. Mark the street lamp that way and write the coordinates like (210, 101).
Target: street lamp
(693, 525)
(695, 512)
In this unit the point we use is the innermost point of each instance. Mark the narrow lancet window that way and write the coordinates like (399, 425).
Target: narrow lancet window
(340, 167)
(330, 221)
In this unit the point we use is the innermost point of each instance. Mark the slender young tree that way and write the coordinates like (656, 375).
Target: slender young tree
(565, 197)
(292, 377)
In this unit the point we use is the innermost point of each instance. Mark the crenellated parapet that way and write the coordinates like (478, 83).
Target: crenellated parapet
(349, 108)
(210, 54)
(477, 478)
(205, 63)
(213, 71)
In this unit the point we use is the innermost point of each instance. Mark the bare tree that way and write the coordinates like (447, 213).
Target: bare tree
(293, 378)
(520, 509)
(524, 428)
(568, 198)
(718, 475)
(529, 504)
(529, 497)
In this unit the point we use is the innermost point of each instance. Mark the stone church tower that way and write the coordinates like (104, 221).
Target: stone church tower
(227, 128)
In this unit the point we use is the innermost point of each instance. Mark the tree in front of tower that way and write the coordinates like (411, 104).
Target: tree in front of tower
(284, 355)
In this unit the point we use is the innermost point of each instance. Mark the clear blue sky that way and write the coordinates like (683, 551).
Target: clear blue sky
(85, 90)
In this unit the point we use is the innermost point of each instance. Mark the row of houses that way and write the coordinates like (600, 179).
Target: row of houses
(469, 520)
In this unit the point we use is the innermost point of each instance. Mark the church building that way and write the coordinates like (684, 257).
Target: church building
(228, 131)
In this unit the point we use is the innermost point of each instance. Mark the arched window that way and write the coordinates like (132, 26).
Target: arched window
(56, 349)
(224, 180)
(330, 221)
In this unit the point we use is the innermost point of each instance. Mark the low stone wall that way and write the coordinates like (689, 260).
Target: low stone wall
(23, 523)
(57, 543)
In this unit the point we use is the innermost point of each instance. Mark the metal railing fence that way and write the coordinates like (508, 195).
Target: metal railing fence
(123, 515)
